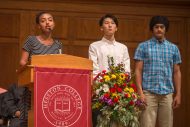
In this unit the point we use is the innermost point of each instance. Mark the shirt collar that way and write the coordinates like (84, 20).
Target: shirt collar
(157, 42)
(108, 41)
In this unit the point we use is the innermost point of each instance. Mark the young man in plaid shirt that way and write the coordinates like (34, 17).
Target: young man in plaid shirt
(158, 75)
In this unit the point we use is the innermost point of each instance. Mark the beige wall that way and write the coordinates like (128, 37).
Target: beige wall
(77, 27)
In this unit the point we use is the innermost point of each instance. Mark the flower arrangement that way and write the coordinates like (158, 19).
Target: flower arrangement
(115, 97)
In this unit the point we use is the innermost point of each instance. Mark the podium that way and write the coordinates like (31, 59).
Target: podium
(27, 76)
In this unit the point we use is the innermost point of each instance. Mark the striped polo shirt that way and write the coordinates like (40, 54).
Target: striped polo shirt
(158, 63)
(34, 47)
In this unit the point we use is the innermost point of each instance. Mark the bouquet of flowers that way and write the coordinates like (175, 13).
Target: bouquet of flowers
(115, 97)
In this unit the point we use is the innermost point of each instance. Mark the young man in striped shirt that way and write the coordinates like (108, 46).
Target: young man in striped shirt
(158, 75)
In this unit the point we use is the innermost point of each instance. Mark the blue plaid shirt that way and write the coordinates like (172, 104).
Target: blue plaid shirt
(158, 62)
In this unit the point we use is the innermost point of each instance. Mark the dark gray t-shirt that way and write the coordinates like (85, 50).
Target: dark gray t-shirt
(34, 47)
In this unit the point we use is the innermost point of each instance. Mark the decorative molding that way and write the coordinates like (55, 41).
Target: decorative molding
(91, 7)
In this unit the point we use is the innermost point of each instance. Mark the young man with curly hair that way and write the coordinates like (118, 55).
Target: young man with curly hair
(158, 75)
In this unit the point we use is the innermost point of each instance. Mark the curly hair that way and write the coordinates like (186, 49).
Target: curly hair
(159, 20)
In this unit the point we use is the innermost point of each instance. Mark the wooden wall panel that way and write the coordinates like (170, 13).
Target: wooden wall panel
(186, 85)
(9, 47)
(175, 29)
(8, 65)
(61, 27)
(132, 28)
(9, 25)
(77, 27)
(87, 28)
(80, 50)
(95, 7)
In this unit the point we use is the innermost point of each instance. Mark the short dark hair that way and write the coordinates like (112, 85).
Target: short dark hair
(159, 20)
(39, 15)
(111, 16)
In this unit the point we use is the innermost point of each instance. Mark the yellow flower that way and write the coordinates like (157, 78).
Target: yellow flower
(126, 89)
(122, 76)
(119, 81)
(129, 95)
(114, 94)
(97, 105)
(107, 78)
(113, 76)
(131, 90)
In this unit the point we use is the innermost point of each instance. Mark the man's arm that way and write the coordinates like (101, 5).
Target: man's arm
(177, 85)
(138, 73)
(93, 56)
(126, 60)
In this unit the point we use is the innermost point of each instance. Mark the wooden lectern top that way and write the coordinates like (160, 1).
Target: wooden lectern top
(25, 74)
(61, 61)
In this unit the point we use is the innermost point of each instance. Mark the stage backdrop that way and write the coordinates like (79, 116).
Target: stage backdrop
(62, 97)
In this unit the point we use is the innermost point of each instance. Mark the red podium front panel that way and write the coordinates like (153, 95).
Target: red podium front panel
(62, 97)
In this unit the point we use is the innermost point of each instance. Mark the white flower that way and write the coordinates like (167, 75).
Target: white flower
(106, 88)
(98, 90)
